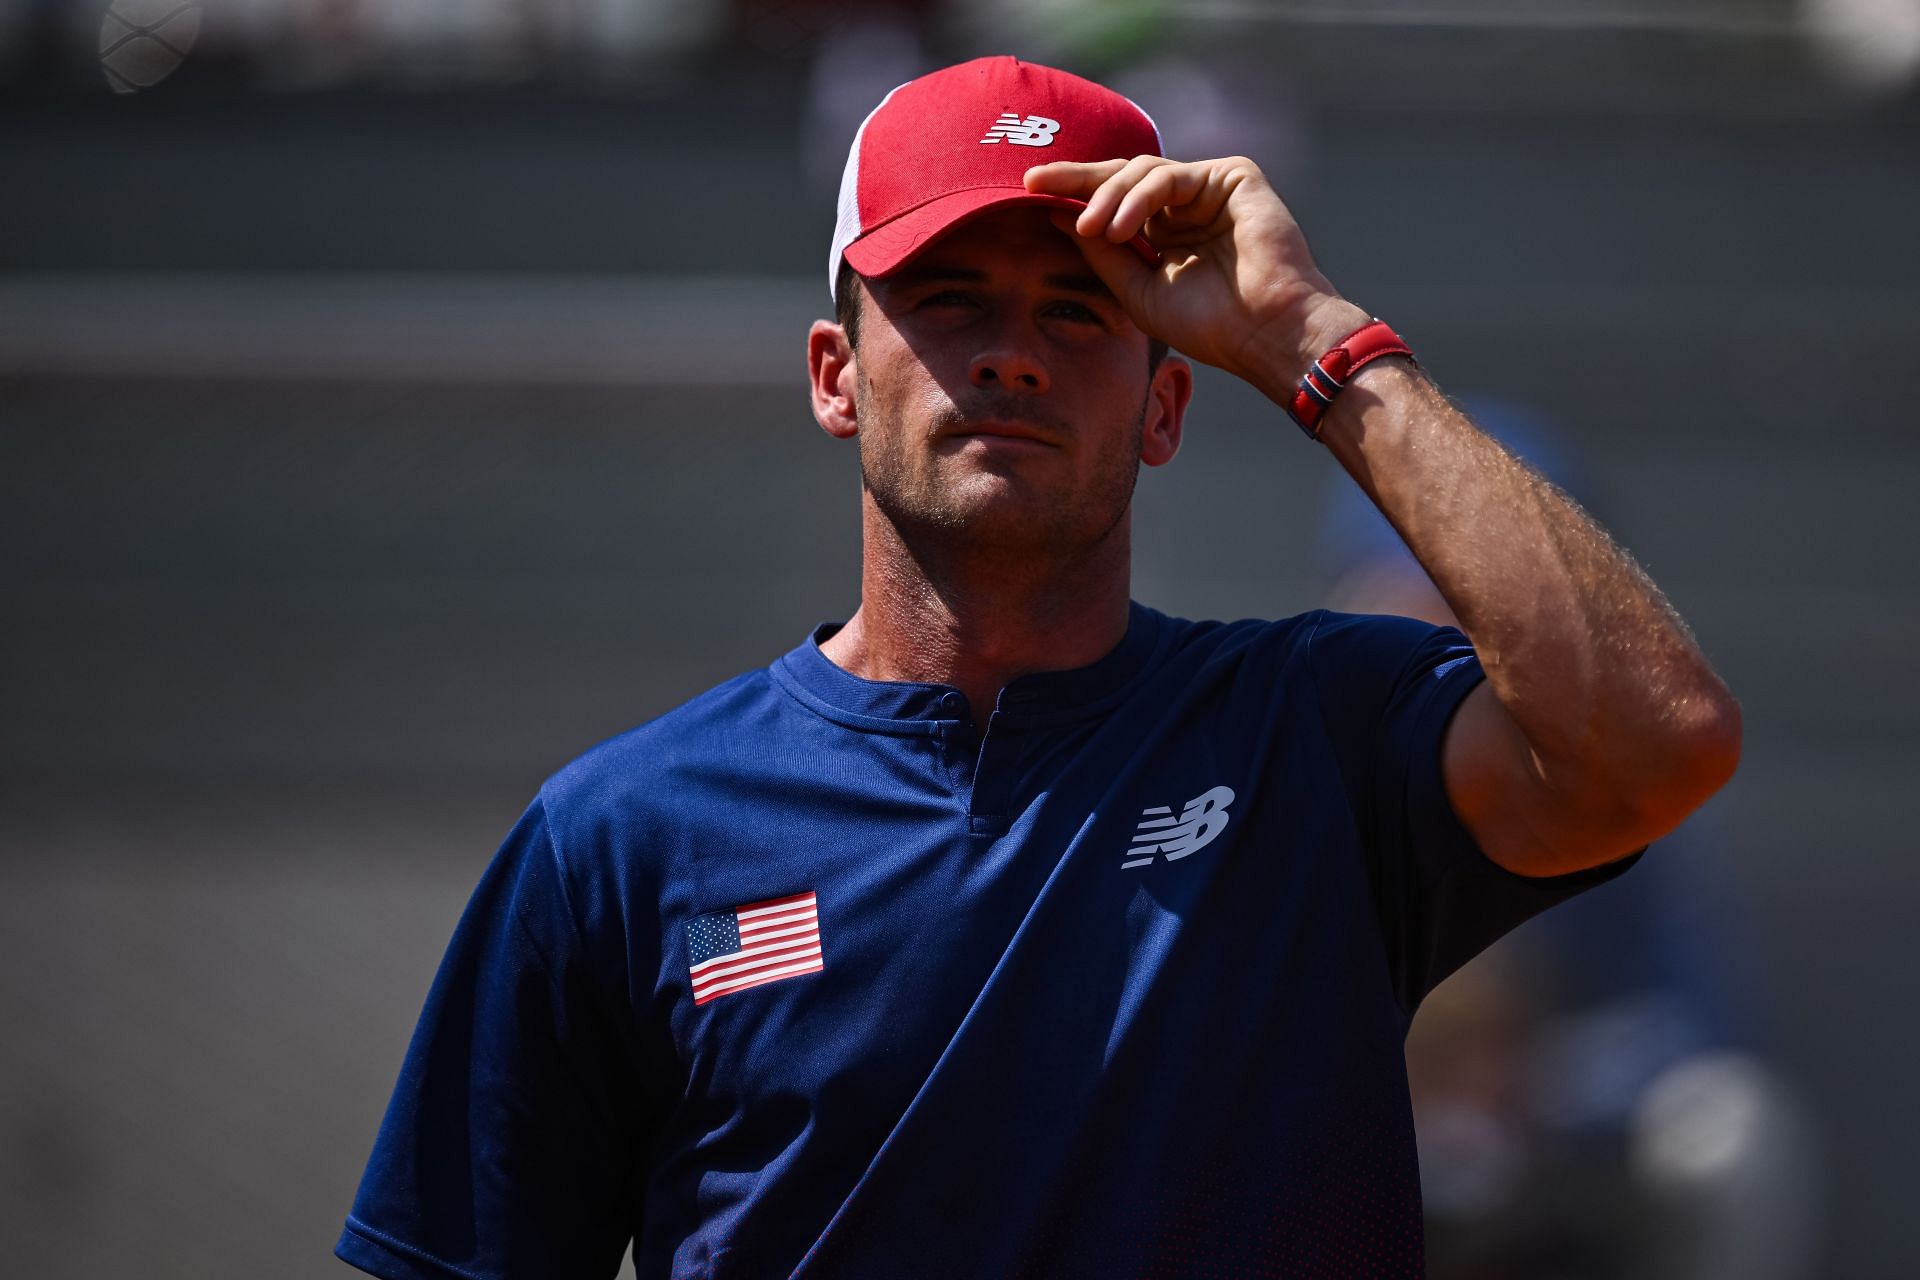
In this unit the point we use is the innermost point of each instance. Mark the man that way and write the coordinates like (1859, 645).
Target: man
(1012, 928)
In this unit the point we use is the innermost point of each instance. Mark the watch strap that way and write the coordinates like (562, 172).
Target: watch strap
(1327, 377)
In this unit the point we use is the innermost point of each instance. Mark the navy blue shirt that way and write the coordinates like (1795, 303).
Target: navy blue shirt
(807, 977)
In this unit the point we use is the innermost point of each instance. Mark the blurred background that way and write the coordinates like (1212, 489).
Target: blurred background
(397, 398)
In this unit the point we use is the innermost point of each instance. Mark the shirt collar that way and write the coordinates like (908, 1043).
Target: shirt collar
(905, 707)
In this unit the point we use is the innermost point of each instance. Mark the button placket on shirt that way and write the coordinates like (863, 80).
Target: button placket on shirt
(955, 734)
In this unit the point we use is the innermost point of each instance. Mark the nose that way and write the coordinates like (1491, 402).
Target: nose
(1010, 366)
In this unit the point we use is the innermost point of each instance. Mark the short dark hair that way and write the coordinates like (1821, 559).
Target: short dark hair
(846, 302)
(846, 313)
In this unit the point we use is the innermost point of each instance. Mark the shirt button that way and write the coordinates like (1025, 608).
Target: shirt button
(952, 702)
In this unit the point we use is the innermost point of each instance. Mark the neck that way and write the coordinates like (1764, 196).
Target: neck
(936, 612)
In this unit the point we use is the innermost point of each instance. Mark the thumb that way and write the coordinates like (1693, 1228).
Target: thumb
(1119, 266)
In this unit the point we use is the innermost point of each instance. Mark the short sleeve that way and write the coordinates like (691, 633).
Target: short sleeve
(1388, 688)
(509, 1146)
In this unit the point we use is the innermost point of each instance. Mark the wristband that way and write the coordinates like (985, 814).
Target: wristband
(1327, 377)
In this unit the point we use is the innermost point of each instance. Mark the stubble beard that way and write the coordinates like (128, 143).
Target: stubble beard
(974, 521)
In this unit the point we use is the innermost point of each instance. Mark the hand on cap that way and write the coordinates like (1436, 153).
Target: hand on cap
(1235, 287)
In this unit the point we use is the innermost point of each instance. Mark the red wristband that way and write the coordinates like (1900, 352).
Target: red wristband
(1327, 377)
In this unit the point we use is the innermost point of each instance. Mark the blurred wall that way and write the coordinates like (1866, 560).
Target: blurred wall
(365, 455)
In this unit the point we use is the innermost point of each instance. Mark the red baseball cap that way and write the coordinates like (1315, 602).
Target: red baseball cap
(955, 142)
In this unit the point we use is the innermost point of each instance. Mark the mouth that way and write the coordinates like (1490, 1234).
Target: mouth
(1003, 431)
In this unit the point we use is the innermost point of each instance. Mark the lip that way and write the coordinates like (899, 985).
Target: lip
(1004, 431)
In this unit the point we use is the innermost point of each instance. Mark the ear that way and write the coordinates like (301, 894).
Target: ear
(830, 374)
(1167, 397)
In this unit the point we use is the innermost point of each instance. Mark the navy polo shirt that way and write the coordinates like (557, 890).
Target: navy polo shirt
(805, 977)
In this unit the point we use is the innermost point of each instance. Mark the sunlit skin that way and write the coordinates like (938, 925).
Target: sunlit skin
(1600, 725)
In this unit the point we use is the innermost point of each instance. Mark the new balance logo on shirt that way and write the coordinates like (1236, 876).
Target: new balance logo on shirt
(1160, 832)
(1034, 131)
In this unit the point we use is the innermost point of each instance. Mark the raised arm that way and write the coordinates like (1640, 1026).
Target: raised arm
(1601, 724)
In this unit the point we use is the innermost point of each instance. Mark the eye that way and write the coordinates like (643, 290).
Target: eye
(1076, 311)
(947, 298)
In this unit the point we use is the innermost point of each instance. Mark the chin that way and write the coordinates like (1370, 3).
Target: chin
(1006, 512)
(1011, 526)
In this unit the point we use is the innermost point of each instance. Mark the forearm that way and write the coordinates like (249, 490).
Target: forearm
(1605, 725)
(1597, 671)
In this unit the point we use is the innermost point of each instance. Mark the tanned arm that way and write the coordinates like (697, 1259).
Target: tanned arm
(1601, 724)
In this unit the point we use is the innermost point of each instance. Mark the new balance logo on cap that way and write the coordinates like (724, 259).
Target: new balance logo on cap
(1204, 817)
(1034, 131)
(920, 164)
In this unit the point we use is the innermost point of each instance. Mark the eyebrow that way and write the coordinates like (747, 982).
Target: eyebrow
(1072, 281)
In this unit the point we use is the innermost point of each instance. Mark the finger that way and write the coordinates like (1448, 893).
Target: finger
(1075, 178)
(1168, 186)
(1103, 203)
(1120, 268)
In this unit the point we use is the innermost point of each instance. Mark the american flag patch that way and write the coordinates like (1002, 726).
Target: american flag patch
(761, 942)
